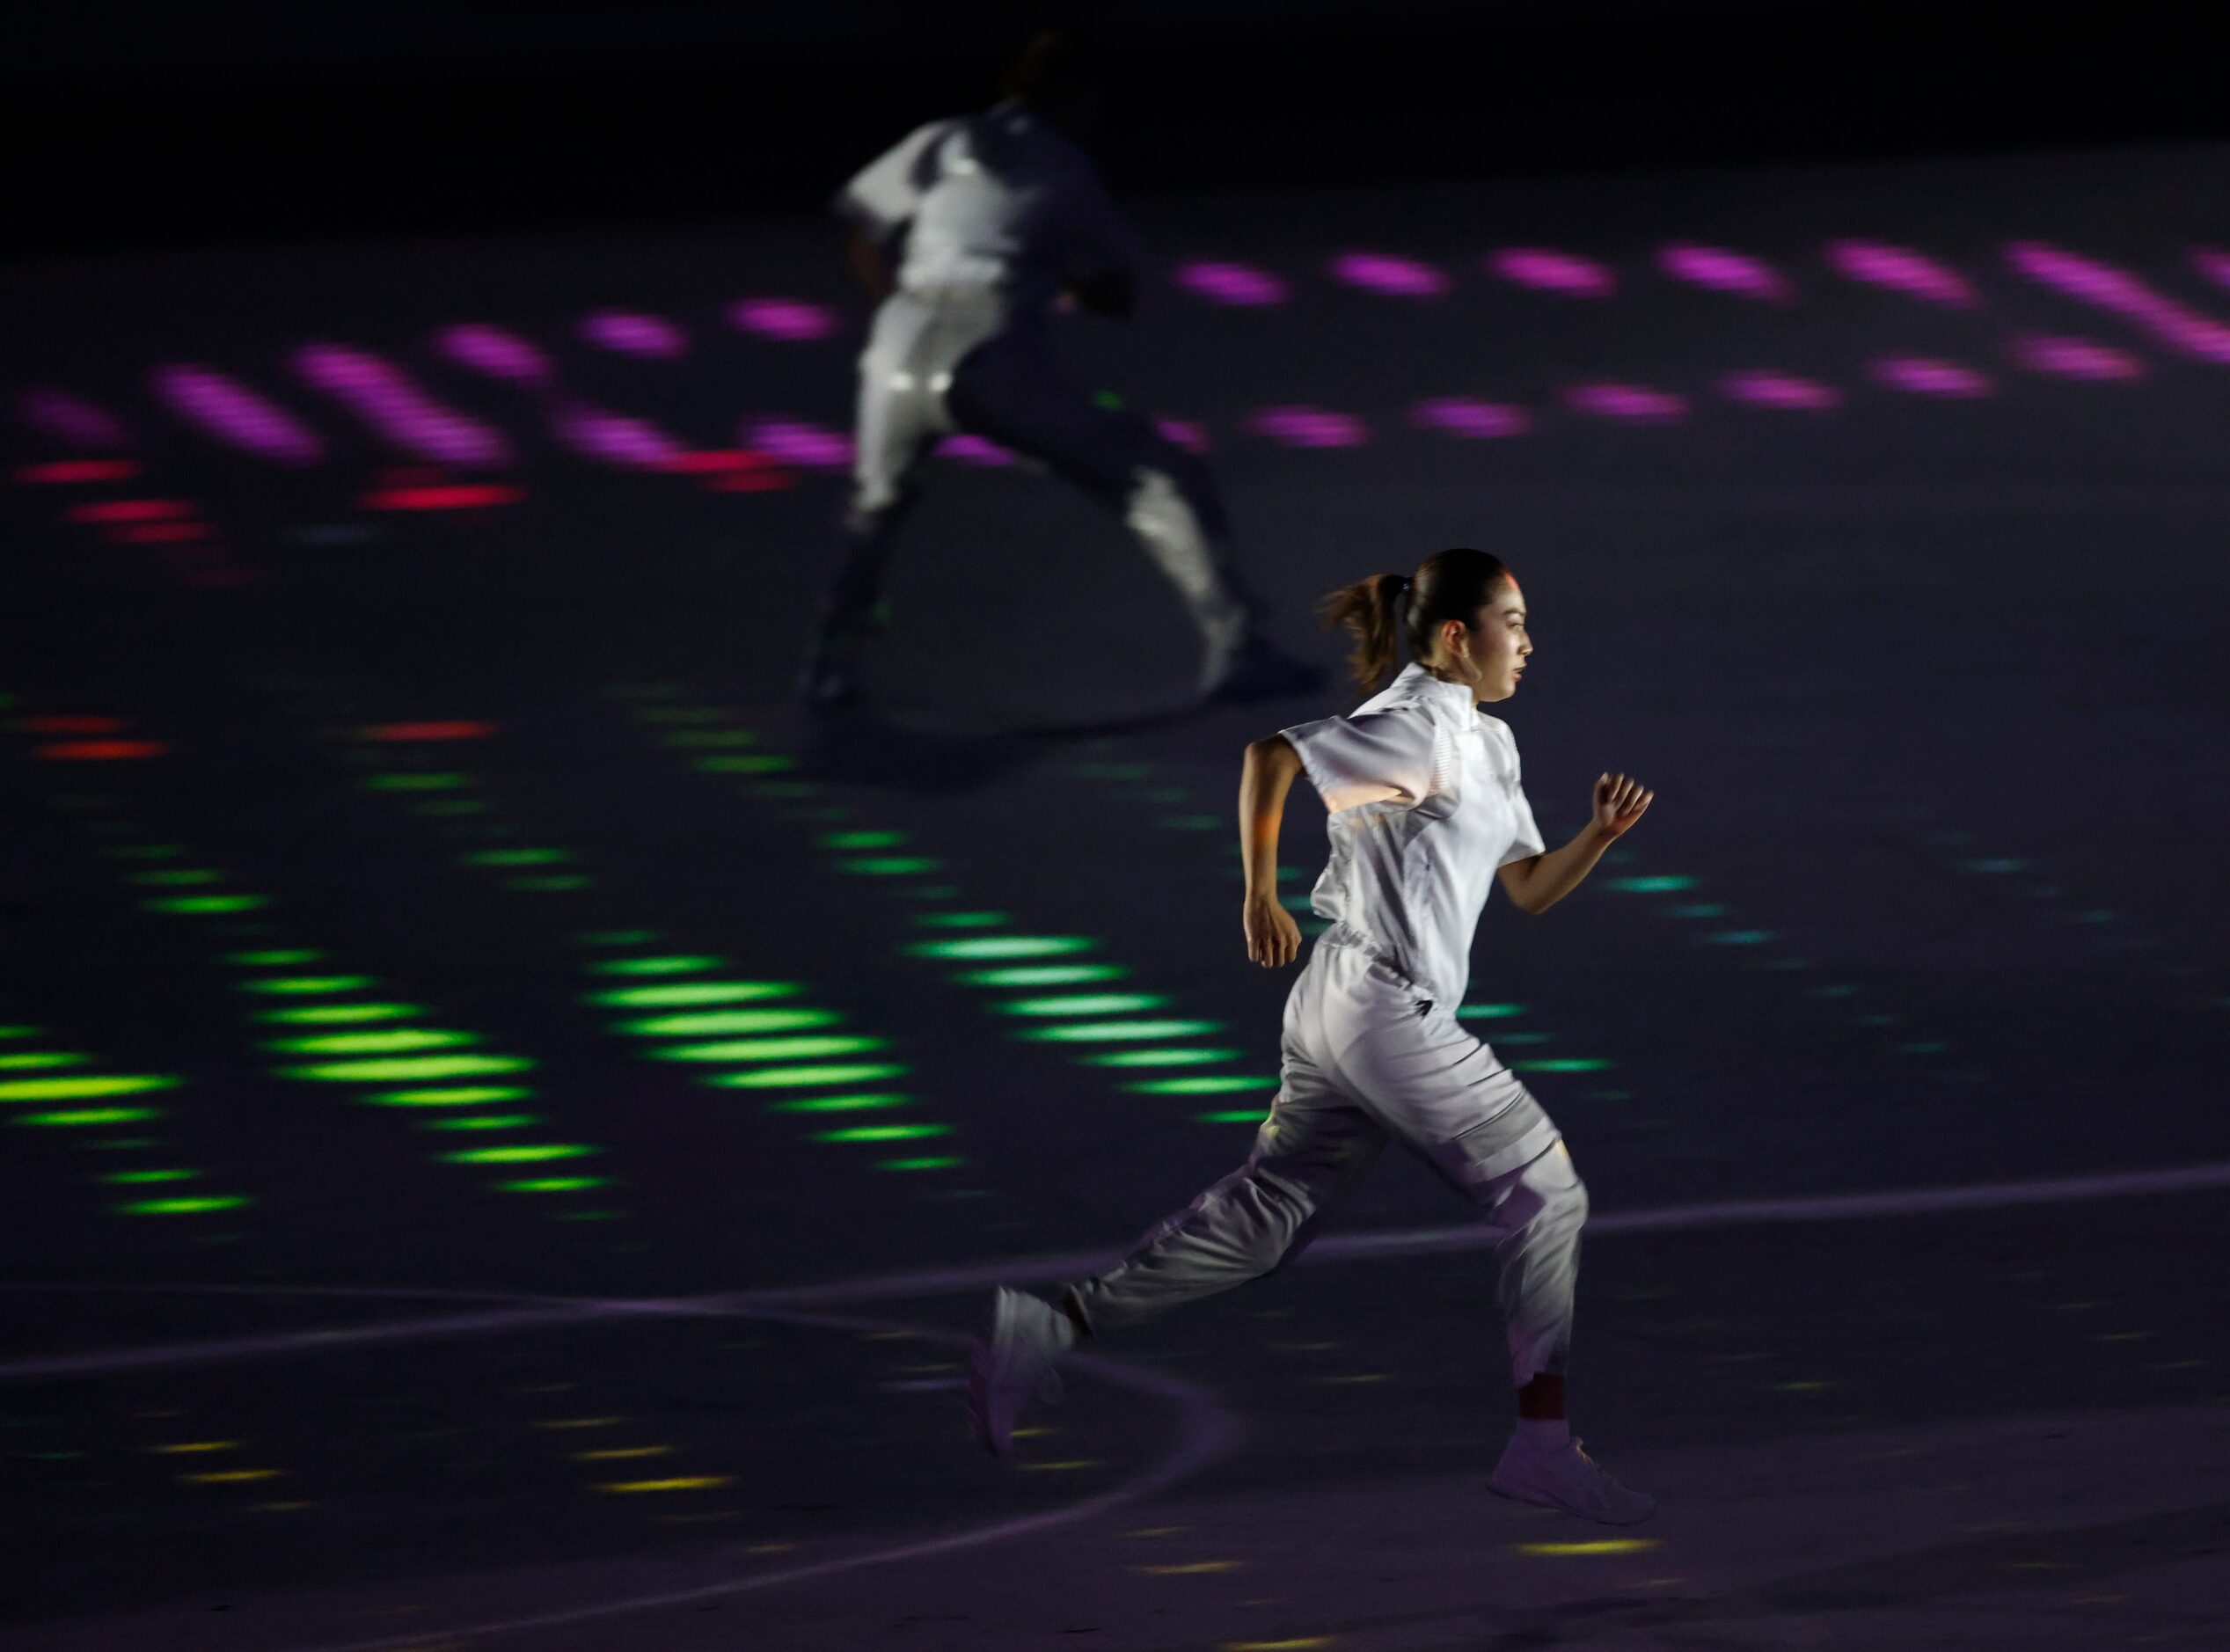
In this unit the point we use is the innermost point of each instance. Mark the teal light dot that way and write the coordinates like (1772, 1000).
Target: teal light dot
(1217, 1083)
(807, 1077)
(1086, 1004)
(1524, 1038)
(1488, 1012)
(1044, 975)
(1180, 1056)
(1996, 866)
(1665, 884)
(883, 1132)
(933, 1163)
(1701, 909)
(711, 1022)
(1107, 1032)
(962, 920)
(989, 946)
(1740, 938)
(694, 992)
(1562, 1063)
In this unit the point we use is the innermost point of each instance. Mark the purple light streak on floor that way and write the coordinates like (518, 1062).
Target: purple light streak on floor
(1902, 270)
(788, 320)
(614, 438)
(2094, 281)
(1546, 270)
(974, 451)
(494, 352)
(1627, 404)
(229, 410)
(1386, 273)
(1187, 434)
(1927, 376)
(70, 420)
(630, 333)
(809, 447)
(1462, 416)
(1764, 388)
(1720, 269)
(399, 410)
(1233, 284)
(2076, 358)
(1302, 426)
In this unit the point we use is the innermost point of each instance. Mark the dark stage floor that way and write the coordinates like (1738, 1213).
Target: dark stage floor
(506, 1126)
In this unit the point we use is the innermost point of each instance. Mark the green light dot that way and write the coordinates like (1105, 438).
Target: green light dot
(1086, 1004)
(34, 1060)
(712, 1022)
(1219, 1084)
(553, 1184)
(1044, 975)
(202, 905)
(132, 1178)
(416, 782)
(526, 1153)
(306, 986)
(408, 1068)
(471, 1095)
(19, 1030)
(917, 1164)
(1002, 946)
(883, 1132)
(562, 883)
(82, 1086)
(672, 964)
(962, 920)
(807, 1077)
(1662, 885)
(1178, 1056)
(771, 1049)
(341, 1014)
(183, 1207)
(863, 840)
(1562, 1063)
(274, 960)
(1488, 1012)
(1524, 1038)
(694, 992)
(483, 1122)
(1101, 1032)
(840, 1103)
(888, 866)
(74, 1118)
(177, 877)
(372, 1044)
(756, 763)
(516, 858)
(1739, 938)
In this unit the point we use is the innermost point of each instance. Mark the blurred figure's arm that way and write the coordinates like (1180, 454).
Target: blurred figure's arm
(870, 264)
(879, 201)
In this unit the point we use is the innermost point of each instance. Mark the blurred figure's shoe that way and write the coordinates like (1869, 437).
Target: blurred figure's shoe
(1258, 669)
(1565, 1476)
(831, 680)
(1011, 1363)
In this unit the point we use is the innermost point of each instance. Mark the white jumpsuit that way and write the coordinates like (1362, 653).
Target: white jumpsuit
(999, 214)
(1426, 806)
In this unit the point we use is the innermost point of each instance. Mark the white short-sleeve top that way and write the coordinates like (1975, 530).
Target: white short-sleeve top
(998, 200)
(1426, 808)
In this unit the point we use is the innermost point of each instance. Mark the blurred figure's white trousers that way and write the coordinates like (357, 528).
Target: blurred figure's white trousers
(1366, 1057)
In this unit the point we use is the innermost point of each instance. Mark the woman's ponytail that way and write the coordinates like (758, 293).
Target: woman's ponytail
(1371, 610)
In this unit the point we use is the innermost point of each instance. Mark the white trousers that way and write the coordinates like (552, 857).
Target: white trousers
(1366, 1057)
(962, 359)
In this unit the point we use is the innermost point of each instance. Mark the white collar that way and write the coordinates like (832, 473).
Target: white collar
(1451, 700)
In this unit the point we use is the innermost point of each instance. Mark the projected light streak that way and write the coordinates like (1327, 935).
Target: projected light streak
(67, 472)
(398, 409)
(628, 333)
(784, 320)
(1307, 426)
(1385, 274)
(976, 450)
(495, 353)
(1721, 270)
(794, 441)
(67, 417)
(1236, 285)
(692, 993)
(1086, 1004)
(228, 412)
(2094, 281)
(1759, 387)
(2082, 359)
(1900, 269)
(758, 1049)
(122, 510)
(1463, 416)
(1545, 270)
(1627, 403)
(722, 1021)
(1926, 376)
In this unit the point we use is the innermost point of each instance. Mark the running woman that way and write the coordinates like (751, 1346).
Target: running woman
(989, 222)
(1426, 812)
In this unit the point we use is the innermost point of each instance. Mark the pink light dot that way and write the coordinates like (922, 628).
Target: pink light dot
(617, 439)
(2188, 331)
(399, 409)
(788, 320)
(974, 451)
(70, 420)
(1384, 273)
(1902, 270)
(492, 352)
(1722, 270)
(2211, 263)
(1765, 387)
(1305, 427)
(1462, 416)
(221, 407)
(1232, 284)
(1187, 434)
(1627, 404)
(2076, 358)
(631, 334)
(1924, 376)
(809, 447)
(1546, 270)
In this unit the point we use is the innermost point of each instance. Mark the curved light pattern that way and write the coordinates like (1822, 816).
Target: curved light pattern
(230, 411)
(403, 1069)
(306, 986)
(840, 1103)
(1306, 427)
(83, 1086)
(1175, 1057)
(183, 1207)
(2095, 283)
(83, 1118)
(975, 946)
(1722, 270)
(372, 1044)
(397, 408)
(772, 1049)
(1469, 417)
(693, 992)
(786, 320)
(616, 439)
(1762, 387)
(208, 905)
(1206, 1084)
(41, 1060)
(1545, 270)
(1107, 1032)
(670, 964)
(1561, 1063)
(718, 1021)
(1627, 404)
(809, 447)
(1236, 285)
(1044, 975)
(1086, 1004)
(1927, 376)
(1385, 274)
(883, 1132)
(524, 1153)
(2076, 358)
(1901, 270)
(972, 449)
(888, 866)
(632, 333)
(68, 417)
(493, 352)
(1185, 433)
(516, 858)
(471, 1095)
(806, 1078)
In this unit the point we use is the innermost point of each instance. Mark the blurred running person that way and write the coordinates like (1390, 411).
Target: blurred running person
(970, 232)
(1427, 813)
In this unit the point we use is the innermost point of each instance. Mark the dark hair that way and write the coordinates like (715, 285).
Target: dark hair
(1448, 585)
(1053, 72)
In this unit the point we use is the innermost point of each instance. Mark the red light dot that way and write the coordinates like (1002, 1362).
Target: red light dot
(462, 496)
(52, 725)
(752, 482)
(430, 731)
(162, 533)
(130, 510)
(62, 471)
(101, 750)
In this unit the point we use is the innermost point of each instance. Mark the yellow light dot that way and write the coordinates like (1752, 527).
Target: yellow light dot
(1592, 1546)
(198, 1445)
(1050, 1468)
(1035, 1433)
(225, 1477)
(680, 1482)
(279, 1508)
(612, 1453)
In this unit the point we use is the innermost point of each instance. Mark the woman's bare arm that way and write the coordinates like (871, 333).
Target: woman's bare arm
(1273, 938)
(1540, 882)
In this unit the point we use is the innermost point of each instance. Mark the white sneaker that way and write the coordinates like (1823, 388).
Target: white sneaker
(1565, 1476)
(1013, 1364)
